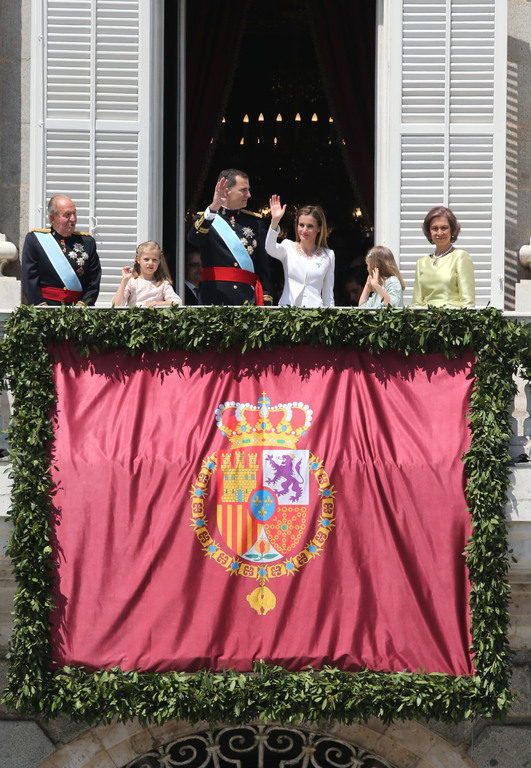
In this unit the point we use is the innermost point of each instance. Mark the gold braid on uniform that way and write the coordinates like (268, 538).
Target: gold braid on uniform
(198, 224)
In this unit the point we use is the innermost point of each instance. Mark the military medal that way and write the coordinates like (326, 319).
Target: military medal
(248, 240)
(79, 256)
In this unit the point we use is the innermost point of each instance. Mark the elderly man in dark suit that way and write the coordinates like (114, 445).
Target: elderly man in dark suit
(59, 264)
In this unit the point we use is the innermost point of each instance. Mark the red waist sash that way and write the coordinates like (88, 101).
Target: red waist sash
(60, 294)
(234, 275)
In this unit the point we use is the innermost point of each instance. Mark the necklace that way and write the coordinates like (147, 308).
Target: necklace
(437, 256)
(302, 252)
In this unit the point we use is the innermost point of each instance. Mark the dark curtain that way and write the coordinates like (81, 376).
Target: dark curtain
(213, 36)
(344, 37)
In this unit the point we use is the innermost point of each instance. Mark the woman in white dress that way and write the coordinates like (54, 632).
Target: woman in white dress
(308, 262)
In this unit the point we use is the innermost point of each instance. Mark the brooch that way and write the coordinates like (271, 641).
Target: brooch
(248, 240)
(78, 254)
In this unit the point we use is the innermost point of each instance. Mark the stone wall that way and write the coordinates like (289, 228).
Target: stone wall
(518, 197)
(15, 32)
(61, 744)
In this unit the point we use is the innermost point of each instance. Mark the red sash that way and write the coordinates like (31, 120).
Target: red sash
(60, 294)
(234, 275)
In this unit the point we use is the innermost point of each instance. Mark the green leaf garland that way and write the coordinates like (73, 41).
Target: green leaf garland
(501, 347)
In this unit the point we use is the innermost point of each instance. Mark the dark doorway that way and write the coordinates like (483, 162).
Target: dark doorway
(287, 95)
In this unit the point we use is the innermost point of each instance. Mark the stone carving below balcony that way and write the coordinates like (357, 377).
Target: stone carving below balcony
(8, 253)
(523, 288)
(260, 745)
(10, 293)
(524, 256)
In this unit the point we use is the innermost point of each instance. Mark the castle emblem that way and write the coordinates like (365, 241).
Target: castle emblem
(274, 502)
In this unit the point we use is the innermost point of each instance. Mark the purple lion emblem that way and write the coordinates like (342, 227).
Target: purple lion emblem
(286, 477)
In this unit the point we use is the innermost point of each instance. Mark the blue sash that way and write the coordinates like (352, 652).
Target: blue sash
(59, 261)
(233, 243)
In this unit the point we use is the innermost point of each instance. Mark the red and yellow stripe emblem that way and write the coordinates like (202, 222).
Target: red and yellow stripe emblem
(237, 527)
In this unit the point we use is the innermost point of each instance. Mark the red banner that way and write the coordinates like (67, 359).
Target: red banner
(302, 506)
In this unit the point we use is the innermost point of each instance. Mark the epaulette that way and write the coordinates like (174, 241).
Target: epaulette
(251, 213)
(198, 225)
(75, 232)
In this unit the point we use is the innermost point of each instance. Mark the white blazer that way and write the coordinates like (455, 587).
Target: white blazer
(308, 282)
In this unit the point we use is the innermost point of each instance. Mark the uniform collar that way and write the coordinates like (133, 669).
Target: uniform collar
(57, 236)
(229, 211)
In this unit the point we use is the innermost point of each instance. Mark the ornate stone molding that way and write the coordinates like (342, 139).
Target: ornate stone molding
(260, 746)
(8, 252)
(524, 256)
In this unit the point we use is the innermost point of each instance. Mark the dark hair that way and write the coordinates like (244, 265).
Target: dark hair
(230, 175)
(162, 273)
(189, 252)
(381, 257)
(318, 214)
(356, 275)
(440, 210)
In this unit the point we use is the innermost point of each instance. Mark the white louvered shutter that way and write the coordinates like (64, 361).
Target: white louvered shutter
(99, 126)
(446, 119)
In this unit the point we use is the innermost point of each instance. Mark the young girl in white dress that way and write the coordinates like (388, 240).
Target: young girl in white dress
(308, 262)
(148, 282)
(384, 286)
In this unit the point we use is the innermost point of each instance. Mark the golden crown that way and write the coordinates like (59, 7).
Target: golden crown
(248, 425)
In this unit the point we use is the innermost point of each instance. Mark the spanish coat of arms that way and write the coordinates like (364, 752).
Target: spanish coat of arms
(267, 492)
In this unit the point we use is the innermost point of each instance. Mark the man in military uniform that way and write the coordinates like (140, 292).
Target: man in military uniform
(60, 265)
(232, 245)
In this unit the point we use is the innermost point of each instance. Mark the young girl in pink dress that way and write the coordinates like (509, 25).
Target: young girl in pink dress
(148, 282)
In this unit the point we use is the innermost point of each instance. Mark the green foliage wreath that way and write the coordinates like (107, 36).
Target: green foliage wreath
(501, 346)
